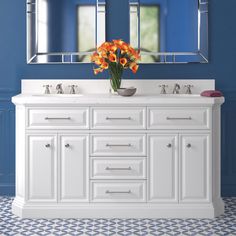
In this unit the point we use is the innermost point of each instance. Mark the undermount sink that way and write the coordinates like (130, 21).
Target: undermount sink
(58, 95)
(115, 96)
(180, 95)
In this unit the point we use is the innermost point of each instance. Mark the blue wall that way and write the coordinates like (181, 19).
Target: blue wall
(176, 22)
(222, 67)
(178, 25)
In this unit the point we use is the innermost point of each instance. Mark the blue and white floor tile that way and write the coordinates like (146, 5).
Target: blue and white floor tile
(12, 225)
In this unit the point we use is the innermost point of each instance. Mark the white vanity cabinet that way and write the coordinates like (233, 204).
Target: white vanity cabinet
(180, 168)
(57, 167)
(118, 157)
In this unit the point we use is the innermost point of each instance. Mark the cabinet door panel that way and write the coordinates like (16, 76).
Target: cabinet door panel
(73, 166)
(42, 168)
(163, 166)
(195, 170)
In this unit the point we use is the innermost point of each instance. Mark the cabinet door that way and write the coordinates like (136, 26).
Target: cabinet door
(163, 168)
(195, 168)
(42, 167)
(73, 168)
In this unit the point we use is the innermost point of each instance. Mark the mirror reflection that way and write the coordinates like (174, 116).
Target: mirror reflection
(170, 31)
(64, 31)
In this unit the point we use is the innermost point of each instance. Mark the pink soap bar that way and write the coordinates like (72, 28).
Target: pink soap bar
(211, 93)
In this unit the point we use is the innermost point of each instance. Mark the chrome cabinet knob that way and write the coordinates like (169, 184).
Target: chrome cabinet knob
(189, 145)
(169, 145)
(47, 145)
(67, 145)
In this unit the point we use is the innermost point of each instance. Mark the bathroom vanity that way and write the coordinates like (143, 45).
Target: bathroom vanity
(99, 155)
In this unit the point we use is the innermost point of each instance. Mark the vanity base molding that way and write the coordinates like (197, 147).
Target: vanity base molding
(128, 210)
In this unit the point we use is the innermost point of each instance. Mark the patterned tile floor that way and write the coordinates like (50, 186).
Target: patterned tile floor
(12, 225)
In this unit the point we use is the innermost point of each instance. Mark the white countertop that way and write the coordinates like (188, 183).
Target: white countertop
(111, 99)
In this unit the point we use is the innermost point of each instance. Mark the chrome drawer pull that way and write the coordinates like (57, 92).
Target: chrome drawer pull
(118, 118)
(57, 118)
(110, 168)
(118, 145)
(110, 192)
(179, 118)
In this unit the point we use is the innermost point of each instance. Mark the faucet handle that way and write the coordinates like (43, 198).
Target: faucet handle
(163, 88)
(72, 88)
(47, 88)
(188, 90)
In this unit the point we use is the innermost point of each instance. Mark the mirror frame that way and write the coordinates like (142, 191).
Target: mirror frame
(174, 57)
(65, 57)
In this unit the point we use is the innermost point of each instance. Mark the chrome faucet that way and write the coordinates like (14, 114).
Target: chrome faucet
(176, 89)
(59, 89)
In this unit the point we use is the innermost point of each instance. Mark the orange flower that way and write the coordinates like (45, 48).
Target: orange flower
(112, 48)
(112, 57)
(124, 47)
(133, 67)
(104, 47)
(116, 51)
(104, 65)
(134, 53)
(97, 70)
(118, 42)
(94, 56)
(99, 61)
(104, 54)
(123, 61)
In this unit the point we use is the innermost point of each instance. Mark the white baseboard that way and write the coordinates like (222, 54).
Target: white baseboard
(152, 210)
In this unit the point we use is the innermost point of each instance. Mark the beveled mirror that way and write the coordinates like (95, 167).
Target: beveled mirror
(170, 31)
(64, 31)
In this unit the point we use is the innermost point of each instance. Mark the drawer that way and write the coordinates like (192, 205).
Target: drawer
(178, 118)
(63, 118)
(118, 145)
(118, 118)
(103, 168)
(112, 191)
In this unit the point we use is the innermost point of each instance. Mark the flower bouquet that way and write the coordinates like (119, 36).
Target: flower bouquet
(115, 56)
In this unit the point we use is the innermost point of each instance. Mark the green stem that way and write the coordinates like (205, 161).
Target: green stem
(116, 73)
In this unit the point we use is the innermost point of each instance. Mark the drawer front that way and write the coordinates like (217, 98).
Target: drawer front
(118, 191)
(178, 118)
(118, 118)
(103, 168)
(118, 145)
(58, 118)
